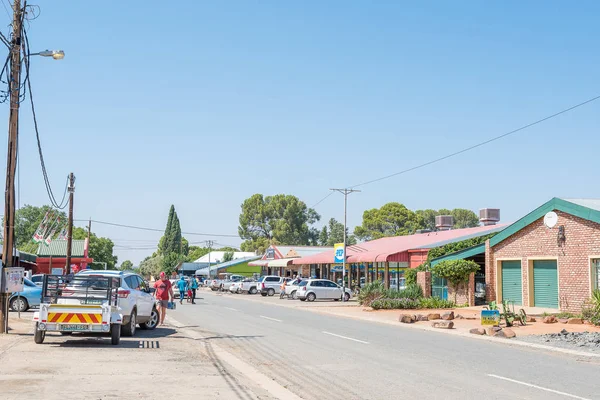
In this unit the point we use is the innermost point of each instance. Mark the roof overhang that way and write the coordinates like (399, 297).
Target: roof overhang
(461, 254)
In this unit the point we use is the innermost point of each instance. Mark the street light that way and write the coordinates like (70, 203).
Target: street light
(56, 54)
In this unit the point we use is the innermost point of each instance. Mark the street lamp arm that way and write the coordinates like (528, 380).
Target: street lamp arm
(56, 54)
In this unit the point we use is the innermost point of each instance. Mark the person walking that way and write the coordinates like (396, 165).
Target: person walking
(193, 287)
(163, 291)
(182, 286)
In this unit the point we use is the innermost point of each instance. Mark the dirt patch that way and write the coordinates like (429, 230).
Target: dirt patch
(587, 341)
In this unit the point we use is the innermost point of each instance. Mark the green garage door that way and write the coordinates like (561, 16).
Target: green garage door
(512, 282)
(545, 284)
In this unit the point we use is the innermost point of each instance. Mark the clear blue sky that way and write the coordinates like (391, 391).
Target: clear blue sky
(202, 104)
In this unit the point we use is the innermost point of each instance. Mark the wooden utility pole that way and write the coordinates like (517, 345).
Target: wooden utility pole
(11, 159)
(89, 230)
(70, 225)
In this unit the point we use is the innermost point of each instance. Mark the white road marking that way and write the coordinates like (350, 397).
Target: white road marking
(538, 387)
(271, 319)
(345, 337)
(232, 309)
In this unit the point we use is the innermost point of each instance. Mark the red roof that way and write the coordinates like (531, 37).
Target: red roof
(390, 248)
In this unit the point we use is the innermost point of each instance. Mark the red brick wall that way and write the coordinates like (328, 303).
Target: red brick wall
(424, 280)
(465, 293)
(535, 240)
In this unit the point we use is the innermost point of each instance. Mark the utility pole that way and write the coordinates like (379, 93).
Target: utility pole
(70, 224)
(89, 230)
(209, 244)
(11, 159)
(346, 192)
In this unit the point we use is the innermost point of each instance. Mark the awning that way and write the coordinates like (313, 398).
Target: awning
(282, 262)
(259, 263)
(461, 254)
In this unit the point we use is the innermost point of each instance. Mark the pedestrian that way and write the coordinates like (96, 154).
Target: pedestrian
(182, 286)
(163, 291)
(193, 287)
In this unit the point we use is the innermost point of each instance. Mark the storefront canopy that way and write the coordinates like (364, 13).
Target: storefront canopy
(396, 248)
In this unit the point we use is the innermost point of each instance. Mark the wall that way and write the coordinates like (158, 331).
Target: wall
(537, 241)
(424, 280)
(465, 293)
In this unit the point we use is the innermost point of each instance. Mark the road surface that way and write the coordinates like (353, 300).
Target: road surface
(320, 356)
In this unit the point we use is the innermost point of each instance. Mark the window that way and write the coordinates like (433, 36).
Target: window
(596, 273)
(303, 283)
(316, 284)
(272, 279)
(330, 284)
(131, 282)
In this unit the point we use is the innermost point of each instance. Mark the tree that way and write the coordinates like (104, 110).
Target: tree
(464, 218)
(334, 233)
(126, 265)
(172, 242)
(283, 219)
(27, 220)
(428, 218)
(455, 271)
(100, 248)
(195, 252)
(151, 266)
(392, 219)
(170, 261)
(227, 248)
(228, 256)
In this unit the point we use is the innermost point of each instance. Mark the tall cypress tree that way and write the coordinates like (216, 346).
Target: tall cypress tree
(175, 242)
(165, 242)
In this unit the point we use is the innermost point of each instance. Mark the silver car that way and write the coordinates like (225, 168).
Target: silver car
(270, 284)
(322, 289)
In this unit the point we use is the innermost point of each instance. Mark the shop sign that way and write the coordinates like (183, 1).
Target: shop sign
(338, 251)
(490, 317)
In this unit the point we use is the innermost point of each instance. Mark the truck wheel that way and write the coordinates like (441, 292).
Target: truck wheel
(39, 336)
(129, 329)
(252, 290)
(271, 292)
(115, 334)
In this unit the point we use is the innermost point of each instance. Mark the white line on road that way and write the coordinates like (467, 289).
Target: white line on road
(538, 387)
(232, 309)
(345, 337)
(271, 319)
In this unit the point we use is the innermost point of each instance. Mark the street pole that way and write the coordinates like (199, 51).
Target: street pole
(346, 192)
(11, 159)
(70, 224)
(209, 243)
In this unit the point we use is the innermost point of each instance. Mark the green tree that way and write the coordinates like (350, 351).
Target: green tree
(464, 218)
(27, 220)
(227, 256)
(227, 248)
(170, 261)
(195, 252)
(324, 236)
(171, 242)
(392, 219)
(283, 219)
(151, 266)
(428, 218)
(126, 265)
(455, 271)
(100, 248)
(335, 234)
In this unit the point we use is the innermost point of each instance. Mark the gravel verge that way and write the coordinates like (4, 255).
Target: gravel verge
(582, 341)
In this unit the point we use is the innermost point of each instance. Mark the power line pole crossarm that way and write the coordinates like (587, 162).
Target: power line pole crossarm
(11, 161)
(346, 192)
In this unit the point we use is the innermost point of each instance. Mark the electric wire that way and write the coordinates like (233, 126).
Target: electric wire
(154, 229)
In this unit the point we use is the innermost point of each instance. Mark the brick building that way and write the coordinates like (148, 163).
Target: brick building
(550, 258)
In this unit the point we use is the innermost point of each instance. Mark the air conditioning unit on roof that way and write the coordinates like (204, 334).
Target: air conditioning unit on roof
(444, 222)
(489, 216)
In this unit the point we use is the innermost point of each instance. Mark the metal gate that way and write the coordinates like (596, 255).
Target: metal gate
(479, 289)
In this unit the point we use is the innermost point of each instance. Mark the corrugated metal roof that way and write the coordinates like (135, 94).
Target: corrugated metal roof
(381, 249)
(58, 248)
(594, 204)
(217, 256)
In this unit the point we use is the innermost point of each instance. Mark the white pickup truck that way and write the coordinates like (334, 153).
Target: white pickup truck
(247, 285)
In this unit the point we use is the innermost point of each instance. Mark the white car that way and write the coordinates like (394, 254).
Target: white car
(236, 287)
(291, 288)
(135, 300)
(322, 289)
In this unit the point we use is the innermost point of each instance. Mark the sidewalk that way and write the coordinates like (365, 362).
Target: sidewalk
(152, 365)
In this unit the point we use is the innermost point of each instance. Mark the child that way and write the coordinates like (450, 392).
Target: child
(189, 293)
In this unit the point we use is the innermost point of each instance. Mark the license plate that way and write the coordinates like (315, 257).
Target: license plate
(74, 327)
(91, 301)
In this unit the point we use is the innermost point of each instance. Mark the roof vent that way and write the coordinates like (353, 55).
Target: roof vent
(423, 231)
(489, 216)
(444, 222)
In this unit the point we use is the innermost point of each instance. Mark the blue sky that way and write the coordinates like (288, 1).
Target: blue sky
(202, 104)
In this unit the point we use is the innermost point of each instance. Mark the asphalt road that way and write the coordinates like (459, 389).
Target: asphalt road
(325, 357)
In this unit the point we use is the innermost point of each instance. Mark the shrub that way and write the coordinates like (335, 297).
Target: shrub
(394, 304)
(412, 291)
(370, 292)
(591, 308)
(435, 302)
(411, 274)
(455, 271)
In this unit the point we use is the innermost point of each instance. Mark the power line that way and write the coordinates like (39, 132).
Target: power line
(322, 200)
(154, 229)
(478, 144)
(6, 9)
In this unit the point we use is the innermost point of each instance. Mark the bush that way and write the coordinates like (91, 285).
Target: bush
(411, 274)
(412, 291)
(435, 302)
(370, 292)
(394, 304)
(455, 271)
(591, 308)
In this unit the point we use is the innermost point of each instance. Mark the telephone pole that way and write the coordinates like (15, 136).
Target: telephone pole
(346, 192)
(209, 244)
(11, 159)
(70, 224)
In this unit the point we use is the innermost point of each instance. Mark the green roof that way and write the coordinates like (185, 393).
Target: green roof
(461, 254)
(588, 209)
(58, 248)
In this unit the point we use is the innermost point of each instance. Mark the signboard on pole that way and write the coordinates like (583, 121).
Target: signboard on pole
(338, 250)
(490, 317)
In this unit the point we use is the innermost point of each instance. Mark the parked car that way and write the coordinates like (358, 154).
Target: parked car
(248, 285)
(271, 284)
(235, 287)
(135, 299)
(38, 279)
(29, 297)
(176, 286)
(224, 281)
(325, 289)
(225, 284)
